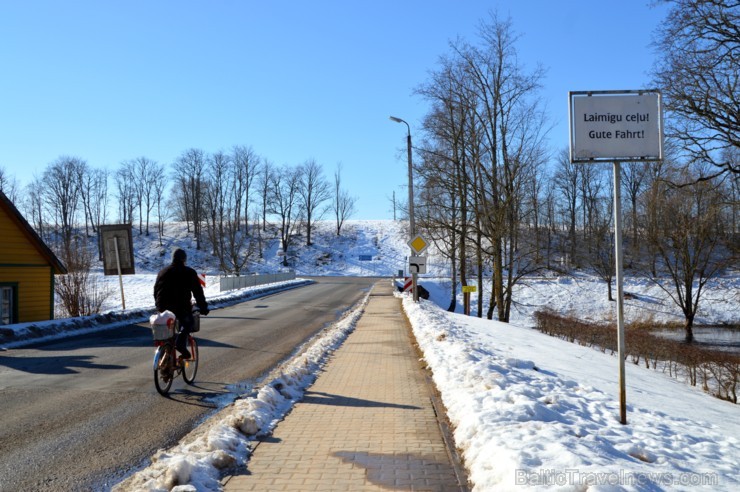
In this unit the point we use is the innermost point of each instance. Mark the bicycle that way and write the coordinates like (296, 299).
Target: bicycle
(167, 365)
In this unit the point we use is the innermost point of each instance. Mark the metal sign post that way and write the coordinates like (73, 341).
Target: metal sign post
(616, 126)
(418, 245)
(620, 289)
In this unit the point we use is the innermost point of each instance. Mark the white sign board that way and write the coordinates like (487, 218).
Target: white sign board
(612, 125)
(418, 264)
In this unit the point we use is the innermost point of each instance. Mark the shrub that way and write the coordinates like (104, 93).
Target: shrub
(79, 293)
(718, 372)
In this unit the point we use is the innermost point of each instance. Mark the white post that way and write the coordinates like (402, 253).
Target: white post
(620, 289)
(120, 277)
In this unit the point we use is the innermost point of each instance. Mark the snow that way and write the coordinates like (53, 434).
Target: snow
(529, 411)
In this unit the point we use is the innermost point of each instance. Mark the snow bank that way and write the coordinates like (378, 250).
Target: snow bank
(531, 411)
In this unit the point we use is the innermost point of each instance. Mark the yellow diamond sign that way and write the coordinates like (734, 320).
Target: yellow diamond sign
(418, 244)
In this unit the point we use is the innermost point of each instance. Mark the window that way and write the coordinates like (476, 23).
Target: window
(6, 305)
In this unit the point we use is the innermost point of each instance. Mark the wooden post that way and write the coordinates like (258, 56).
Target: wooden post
(120, 276)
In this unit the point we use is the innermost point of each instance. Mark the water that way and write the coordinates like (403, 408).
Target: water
(711, 337)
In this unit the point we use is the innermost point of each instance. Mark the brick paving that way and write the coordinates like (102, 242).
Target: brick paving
(366, 424)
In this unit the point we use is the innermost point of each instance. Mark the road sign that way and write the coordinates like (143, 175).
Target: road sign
(418, 264)
(616, 125)
(467, 289)
(202, 279)
(117, 250)
(407, 284)
(418, 244)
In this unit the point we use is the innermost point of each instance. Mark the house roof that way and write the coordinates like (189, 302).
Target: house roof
(30, 233)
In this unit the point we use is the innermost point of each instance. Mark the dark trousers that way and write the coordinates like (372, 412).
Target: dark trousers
(186, 328)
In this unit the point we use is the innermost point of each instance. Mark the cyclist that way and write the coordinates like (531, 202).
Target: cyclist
(172, 290)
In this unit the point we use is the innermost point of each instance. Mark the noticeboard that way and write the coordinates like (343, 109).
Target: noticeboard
(118, 238)
(615, 125)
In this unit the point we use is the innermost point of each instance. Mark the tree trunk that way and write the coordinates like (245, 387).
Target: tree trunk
(689, 337)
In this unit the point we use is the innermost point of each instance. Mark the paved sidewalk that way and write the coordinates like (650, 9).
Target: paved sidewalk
(367, 423)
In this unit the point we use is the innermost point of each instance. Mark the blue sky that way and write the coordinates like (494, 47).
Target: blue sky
(295, 80)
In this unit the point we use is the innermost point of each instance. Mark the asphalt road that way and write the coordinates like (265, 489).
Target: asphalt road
(82, 413)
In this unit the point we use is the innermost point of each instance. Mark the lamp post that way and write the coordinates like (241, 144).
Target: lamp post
(412, 225)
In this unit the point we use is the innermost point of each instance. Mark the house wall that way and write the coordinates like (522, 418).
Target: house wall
(34, 291)
(22, 263)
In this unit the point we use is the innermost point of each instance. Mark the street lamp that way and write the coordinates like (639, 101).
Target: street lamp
(412, 225)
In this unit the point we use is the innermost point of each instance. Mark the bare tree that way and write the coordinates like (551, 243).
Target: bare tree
(566, 179)
(35, 205)
(689, 237)
(224, 200)
(246, 169)
(78, 290)
(217, 178)
(285, 203)
(343, 204)
(265, 180)
(600, 255)
(159, 184)
(484, 145)
(125, 180)
(314, 191)
(447, 170)
(189, 170)
(144, 170)
(94, 196)
(8, 185)
(394, 204)
(512, 128)
(634, 176)
(699, 74)
(62, 193)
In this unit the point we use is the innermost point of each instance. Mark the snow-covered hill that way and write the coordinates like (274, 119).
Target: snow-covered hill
(384, 241)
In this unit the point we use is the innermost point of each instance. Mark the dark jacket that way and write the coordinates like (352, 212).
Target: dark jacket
(173, 287)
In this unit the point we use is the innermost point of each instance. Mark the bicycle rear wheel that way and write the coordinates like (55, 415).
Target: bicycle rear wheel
(190, 366)
(163, 371)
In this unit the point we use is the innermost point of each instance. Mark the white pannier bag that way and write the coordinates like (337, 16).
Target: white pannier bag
(163, 325)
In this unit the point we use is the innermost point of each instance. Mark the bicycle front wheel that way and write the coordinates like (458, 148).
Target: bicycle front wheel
(163, 374)
(190, 366)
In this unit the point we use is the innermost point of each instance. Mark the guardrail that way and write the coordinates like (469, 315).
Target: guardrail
(231, 283)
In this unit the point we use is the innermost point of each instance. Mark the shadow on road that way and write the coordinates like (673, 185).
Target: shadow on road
(127, 336)
(204, 394)
(55, 364)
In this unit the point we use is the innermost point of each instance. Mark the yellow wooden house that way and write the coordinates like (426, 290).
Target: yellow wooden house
(27, 269)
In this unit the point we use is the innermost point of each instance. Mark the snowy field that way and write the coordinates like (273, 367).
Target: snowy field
(529, 411)
(533, 411)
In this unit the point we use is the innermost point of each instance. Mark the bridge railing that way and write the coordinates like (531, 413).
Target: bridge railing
(231, 283)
